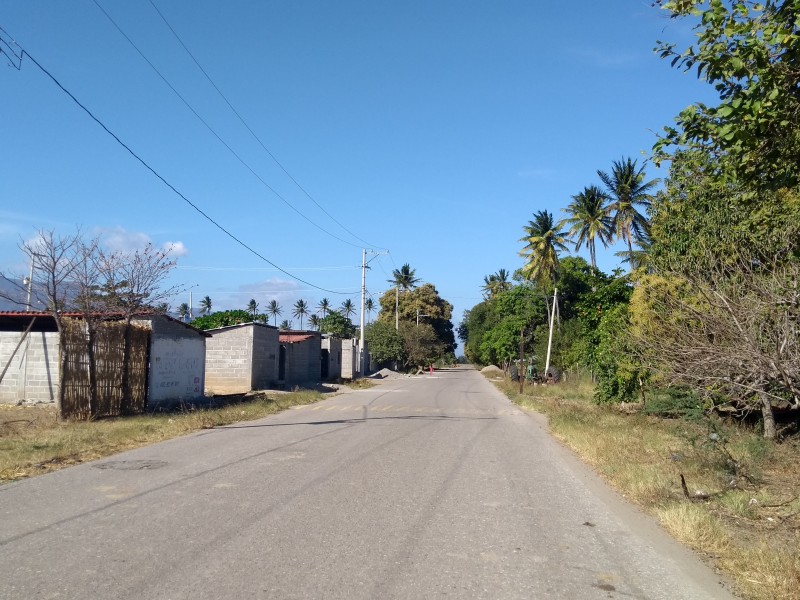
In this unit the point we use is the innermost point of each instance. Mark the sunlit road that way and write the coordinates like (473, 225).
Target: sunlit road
(420, 487)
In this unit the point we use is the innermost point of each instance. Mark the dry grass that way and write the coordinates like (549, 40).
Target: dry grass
(33, 441)
(748, 525)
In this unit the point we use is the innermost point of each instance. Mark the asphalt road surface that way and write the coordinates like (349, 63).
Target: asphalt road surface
(425, 487)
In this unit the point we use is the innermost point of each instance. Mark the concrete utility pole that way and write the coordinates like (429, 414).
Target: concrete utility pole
(420, 315)
(362, 366)
(550, 336)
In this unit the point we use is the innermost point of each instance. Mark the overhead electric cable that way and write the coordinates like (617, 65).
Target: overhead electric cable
(216, 135)
(253, 133)
(167, 183)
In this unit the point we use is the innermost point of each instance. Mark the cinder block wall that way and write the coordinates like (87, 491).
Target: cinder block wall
(302, 361)
(265, 357)
(32, 376)
(177, 363)
(229, 368)
(334, 348)
(349, 359)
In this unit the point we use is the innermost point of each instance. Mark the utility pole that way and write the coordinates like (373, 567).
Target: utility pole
(364, 266)
(28, 281)
(397, 307)
(550, 336)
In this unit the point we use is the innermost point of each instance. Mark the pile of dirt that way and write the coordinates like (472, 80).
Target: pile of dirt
(387, 374)
(492, 371)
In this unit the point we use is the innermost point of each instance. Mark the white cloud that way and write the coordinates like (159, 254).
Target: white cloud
(176, 249)
(118, 239)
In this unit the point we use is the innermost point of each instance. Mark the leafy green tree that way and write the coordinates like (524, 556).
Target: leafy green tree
(300, 311)
(750, 52)
(252, 308)
(543, 241)
(347, 309)
(422, 344)
(338, 325)
(628, 190)
(588, 220)
(324, 306)
(424, 300)
(404, 278)
(222, 319)
(385, 343)
(205, 305)
(274, 310)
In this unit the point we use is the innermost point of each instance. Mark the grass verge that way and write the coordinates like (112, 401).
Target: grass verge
(33, 441)
(744, 501)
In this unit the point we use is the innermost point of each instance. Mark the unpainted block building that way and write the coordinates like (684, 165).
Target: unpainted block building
(242, 358)
(300, 358)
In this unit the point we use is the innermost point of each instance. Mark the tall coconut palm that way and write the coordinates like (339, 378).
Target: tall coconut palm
(274, 310)
(495, 283)
(205, 305)
(404, 278)
(369, 306)
(285, 325)
(628, 191)
(324, 307)
(183, 311)
(300, 310)
(588, 220)
(313, 321)
(348, 310)
(543, 241)
(252, 307)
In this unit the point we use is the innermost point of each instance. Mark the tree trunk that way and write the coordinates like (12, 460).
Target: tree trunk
(767, 416)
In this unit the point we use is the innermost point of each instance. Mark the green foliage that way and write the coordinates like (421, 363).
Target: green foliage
(422, 344)
(543, 241)
(336, 324)
(675, 402)
(425, 304)
(385, 343)
(619, 375)
(750, 52)
(224, 318)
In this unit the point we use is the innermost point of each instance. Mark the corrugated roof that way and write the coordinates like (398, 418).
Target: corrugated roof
(21, 314)
(292, 337)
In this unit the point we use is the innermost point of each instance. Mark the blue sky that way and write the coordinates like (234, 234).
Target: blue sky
(431, 129)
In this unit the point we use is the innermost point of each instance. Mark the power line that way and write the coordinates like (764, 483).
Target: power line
(216, 135)
(24, 52)
(253, 133)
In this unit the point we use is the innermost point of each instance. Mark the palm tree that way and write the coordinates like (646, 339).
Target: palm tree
(495, 283)
(313, 321)
(183, 311)
(300, 310)
(588, 219)
(252, 307)
(628, 191)
(285, 325)
(348, 310)
(274, 310)
(205, 305)
(369, 306)
(404, 278)
(324, 307)
(543, 241)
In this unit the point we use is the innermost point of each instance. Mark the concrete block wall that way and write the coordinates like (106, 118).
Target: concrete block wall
(265, 357)
(177, 362)
(229, 353)
(334, 348)
(349, 358)
(303, 361)
(32, 375)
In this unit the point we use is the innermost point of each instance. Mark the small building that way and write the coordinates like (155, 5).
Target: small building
(28, 358)
(331, 359)
(299, 360)
(29, 350)
(241, 358)
(177, 367)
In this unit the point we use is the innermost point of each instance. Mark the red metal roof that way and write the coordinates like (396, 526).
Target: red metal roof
(293, 337)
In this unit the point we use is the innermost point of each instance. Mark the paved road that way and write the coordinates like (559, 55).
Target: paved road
(421, 487)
